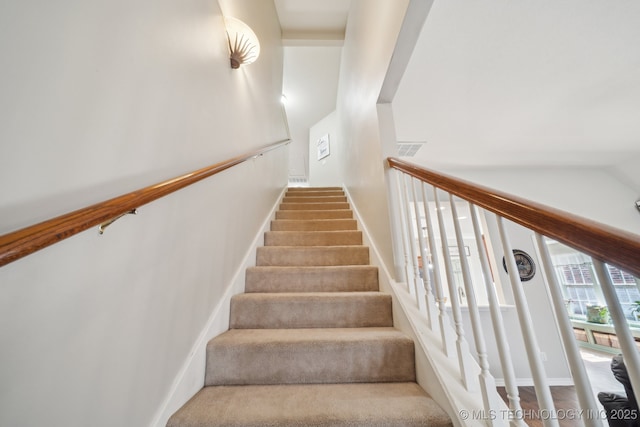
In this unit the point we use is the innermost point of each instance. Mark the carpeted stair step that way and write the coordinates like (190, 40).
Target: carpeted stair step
(313, 189)
(322, 214)
(313, 206)
(314, 193)
(335, 405)
(312, 238)
(350, 278)
(311, 310)
(315, 199)
(312, 255)
(313, 224)
(309, 356)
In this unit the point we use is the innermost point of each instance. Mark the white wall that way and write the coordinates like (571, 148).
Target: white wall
(325, 172)
(370, 38)
(627, 172)
(101, 98)
(538, 303)
(310, 84)
(593, 193)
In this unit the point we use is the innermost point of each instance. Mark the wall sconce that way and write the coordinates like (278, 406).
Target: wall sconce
(244, 46)
(638, 204)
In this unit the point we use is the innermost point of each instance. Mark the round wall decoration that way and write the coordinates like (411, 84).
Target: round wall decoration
(526, 266)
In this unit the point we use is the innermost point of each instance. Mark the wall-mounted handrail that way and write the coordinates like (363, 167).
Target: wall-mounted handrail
(25, 241)
(605, 243)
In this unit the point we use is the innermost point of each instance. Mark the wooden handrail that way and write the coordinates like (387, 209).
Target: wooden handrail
(605, 243)
(23, 242)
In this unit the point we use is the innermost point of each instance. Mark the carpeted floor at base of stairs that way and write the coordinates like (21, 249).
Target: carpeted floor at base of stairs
(311, 342)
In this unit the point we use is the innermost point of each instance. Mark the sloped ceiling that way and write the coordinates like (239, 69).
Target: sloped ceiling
(504, 83)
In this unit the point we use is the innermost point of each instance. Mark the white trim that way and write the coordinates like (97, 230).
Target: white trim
(190, 378)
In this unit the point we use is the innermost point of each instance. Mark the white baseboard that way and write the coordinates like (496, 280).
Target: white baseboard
(190, 379)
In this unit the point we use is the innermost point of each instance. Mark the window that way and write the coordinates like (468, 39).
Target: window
(578, 280)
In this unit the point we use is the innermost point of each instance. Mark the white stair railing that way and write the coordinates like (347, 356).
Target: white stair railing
(485, 379)
(434, 259)
(443, 301)
(462, 349)
(502, 343)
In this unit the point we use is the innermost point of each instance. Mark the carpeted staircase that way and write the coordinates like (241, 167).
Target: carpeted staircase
(311, 342)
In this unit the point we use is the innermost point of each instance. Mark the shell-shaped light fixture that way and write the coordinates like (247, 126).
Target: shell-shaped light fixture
(243, 43)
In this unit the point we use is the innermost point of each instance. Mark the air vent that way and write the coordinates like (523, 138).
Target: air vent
(299, 181)
(409, 148)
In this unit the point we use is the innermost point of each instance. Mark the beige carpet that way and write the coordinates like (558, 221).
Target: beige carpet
(311, 342)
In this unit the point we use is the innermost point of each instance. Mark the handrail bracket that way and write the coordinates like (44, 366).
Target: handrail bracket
(105, 224)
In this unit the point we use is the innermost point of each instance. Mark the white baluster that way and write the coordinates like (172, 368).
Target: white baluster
(504, 351)
(486, 380)
(543, 393)
(412, 239)
(580, 379)
(461, 344)
(627, 344)
(426, 279)
(404, 230)
(443, 319)
(397, 228)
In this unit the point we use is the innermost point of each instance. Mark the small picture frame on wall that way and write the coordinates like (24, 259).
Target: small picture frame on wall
(323, 147)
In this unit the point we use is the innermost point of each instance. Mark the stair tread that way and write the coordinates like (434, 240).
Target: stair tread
(321, 198)
(311, 310)
(329, 193)
(310, 356)
(377, 404)
(303, 214)
(311, 295)
(313, 238)
(314, 206)
(314, 278)
(312, 255)
(312, 189)
(271, 337)
(315, 233)
(332, 224)
(318, 220)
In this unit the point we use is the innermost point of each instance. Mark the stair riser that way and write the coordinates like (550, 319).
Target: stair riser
(328, 310)
(312, 256)
(313, 206)
(310, 362)
(312, 238)
(313, 189)
(313, 225)
(311, 279)
(314, 194)
(309, 199)
(326, 214)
